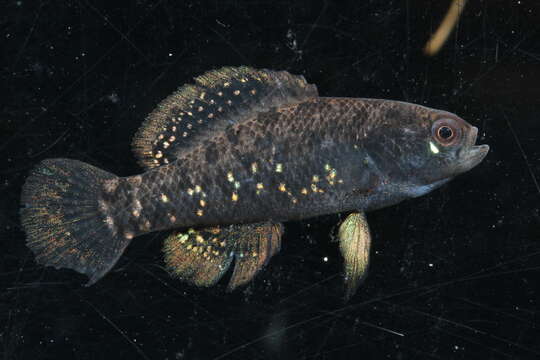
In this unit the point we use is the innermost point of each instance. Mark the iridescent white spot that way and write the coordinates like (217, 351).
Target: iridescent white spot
(434, 149)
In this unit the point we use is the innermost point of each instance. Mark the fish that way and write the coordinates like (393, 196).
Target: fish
(231, 157)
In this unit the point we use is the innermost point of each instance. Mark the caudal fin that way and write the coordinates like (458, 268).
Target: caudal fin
(64, 225)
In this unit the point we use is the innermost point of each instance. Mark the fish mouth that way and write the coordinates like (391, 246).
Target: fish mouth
(471, 154)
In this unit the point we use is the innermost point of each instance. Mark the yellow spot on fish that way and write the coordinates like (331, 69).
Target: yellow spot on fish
(200, 108)
(164, 198)
(327, 167)
(211, 115)
(315, 178)
(279, 167)
(165, 144)
(254, 167)
(190, 113)
(222, 244)
(200, 212)
(128, 235)
(227, 84)
(260, 186)
(184, 134)
(332, 174)
(314, 187)
(230, 176)
(294, 200)
(136, 213)
(234, 196)
(189, 246)
(172, 138)
(243, 80)
(253, 92)
(304, 191)
(282, 187)
(202, 203)
(203, 94)
(159, 155)
(160, 137)
(236, 92)
(237, 185)
(197, 189)
(190, 191)
(199, 239)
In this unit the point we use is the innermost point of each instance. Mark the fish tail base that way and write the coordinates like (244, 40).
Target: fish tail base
(63, 220)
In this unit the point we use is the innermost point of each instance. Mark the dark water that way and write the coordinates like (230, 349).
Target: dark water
(454, 274)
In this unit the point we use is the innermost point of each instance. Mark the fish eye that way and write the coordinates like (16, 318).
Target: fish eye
(446, 131)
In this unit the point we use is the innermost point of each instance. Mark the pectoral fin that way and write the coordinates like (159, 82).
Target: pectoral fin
(354, 243)
(202, 256)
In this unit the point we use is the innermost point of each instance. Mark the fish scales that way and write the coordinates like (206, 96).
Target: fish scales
(301, 171)
(231, 157)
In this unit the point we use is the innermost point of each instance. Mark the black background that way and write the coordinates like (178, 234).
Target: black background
(454, 274)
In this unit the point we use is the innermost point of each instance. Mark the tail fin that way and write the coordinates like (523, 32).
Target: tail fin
(64, 225)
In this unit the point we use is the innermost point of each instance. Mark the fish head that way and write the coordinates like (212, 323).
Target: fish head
(436, 146)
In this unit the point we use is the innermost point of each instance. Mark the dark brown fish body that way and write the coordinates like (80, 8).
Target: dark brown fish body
(291, 163)
(286, 154)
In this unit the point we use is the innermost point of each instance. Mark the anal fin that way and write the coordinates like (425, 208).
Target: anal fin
(255, 245)
(202, 256)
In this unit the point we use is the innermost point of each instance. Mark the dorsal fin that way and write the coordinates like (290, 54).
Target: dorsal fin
(217, 99)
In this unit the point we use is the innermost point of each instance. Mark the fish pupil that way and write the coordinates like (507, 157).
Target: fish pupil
(445, 132)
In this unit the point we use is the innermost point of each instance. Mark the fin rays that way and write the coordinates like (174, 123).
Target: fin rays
(202, 257)
(218, 99)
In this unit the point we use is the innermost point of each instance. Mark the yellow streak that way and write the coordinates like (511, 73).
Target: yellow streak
(449, 22)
